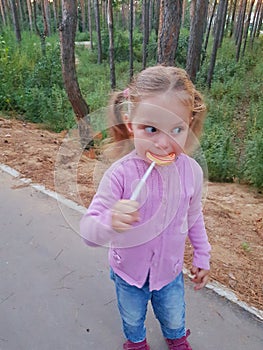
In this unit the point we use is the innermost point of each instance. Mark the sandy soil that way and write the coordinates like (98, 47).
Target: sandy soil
(233, 212)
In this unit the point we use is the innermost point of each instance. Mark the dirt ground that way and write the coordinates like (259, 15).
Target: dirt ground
(233, 212)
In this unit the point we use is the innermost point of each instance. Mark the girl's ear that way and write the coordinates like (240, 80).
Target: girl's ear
(128, 123)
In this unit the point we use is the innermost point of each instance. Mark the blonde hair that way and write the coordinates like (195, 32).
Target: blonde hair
(151, 82)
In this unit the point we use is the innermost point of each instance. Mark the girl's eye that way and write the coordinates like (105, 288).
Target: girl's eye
(150, 129)
(177, 130)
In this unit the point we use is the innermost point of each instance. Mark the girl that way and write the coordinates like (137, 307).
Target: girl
(162, 113)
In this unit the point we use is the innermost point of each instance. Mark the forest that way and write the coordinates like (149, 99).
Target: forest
(60, 60)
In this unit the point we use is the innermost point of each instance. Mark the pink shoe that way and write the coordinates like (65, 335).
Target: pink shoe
(179, 344)
(136, 346)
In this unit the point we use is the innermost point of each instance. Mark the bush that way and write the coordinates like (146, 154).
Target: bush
(253, 160)
(218, 146)
(31, 84)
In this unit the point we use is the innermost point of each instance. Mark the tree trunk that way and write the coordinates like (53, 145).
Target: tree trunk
(230, 9)
(196, 38)
(90, 24)
(192, 11)
(233, 18)
(46, 17)
(97, 21)
(183, 11)
(20, 13)
(150, 17)
(209, 29)
(67, 40)
(15, 20)
(42, 35)
(257, 21)
(157, 17)
(169, 30)
(247, 26)
(83, 15)
(131, 40)
(241, 28)
(2, 10)
(30, 17)
(239, 23)
(220, 14)
(223, 24)
(259, 26)
(111, 45)
(253, 28)
(145, 23)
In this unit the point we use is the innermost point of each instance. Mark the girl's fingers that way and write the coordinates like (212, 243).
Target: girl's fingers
(124, 214)
(121, 227)
(201, 285)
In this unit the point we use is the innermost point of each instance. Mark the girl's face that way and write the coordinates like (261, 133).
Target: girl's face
(160, 125)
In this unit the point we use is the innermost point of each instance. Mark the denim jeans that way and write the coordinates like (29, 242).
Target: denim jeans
(168, 306)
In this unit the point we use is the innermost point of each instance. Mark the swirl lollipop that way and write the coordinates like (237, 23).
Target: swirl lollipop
(156, 160)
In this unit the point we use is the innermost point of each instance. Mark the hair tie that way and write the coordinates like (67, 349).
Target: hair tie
(126, 93)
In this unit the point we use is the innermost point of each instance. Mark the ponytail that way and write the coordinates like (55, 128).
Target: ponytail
(117, 126)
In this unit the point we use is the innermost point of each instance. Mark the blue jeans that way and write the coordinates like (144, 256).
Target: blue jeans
(168, 306)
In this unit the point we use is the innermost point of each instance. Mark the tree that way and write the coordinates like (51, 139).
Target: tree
(41, 33)
(222, 29)
(97, 22)
(111, 45)
(196, 38)
(90, 24)
(233, 18)
(67, 39)
(240, 28)
(157, 17)
(209, 29)
(257, 21)
(83, 15)
(145, 22)
(2, 10)
(30, 16)
(46, 16)
(15, 20)
(169, 30)
(247, 26)
(260, 20)
(131, 40)
(218, 28)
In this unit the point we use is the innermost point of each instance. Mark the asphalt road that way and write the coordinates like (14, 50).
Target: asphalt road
(55, 292)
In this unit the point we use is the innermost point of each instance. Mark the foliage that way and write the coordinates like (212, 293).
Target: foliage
(218, 147)
(233, 136)
(32, 84)
(253, 160)
(181, 52)
(232, 142)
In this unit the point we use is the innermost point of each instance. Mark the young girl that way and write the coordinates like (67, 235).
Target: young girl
(162, 113)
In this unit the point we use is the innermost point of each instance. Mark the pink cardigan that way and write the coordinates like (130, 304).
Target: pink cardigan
(170, 209)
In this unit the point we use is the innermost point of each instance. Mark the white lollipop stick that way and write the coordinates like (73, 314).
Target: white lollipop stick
(142, 182)
(159, 160)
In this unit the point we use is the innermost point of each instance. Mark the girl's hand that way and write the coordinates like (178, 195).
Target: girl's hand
(200, 278)
(124, 214)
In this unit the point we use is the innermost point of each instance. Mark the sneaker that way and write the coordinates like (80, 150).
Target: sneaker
(143, 345)
(179, 344)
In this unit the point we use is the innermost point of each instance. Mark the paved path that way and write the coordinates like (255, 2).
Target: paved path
(55, 293)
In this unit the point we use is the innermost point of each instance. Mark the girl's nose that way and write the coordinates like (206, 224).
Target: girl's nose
(162, 141)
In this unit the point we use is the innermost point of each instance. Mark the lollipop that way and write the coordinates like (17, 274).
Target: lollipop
(156, 160)
(161, 160)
